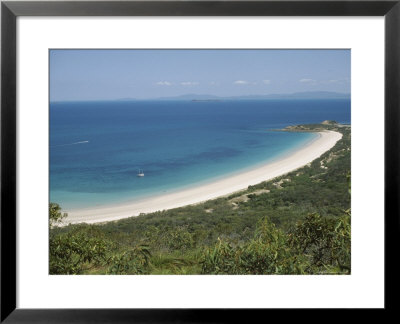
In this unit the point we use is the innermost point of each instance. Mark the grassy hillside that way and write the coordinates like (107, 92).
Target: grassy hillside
(298, 223)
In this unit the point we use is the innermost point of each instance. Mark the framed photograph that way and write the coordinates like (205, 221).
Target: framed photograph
(163, 158)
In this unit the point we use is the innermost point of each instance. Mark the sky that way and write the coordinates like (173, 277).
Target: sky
(149, 74)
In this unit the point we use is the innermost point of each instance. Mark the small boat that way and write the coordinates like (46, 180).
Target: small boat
(140, 173)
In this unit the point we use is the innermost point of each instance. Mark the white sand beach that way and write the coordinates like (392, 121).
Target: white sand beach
(225, 186)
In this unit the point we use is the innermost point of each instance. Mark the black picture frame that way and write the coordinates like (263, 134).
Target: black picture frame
(10, 10)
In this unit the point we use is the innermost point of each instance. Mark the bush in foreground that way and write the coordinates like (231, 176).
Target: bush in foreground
(314, 246)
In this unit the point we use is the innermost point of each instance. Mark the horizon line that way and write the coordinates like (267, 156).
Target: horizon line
(215, 97)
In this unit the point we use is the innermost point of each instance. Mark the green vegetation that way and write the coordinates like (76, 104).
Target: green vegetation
(298, 223)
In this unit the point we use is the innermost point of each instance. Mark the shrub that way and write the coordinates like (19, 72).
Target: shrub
(74, 253)
(133, 261)
(267, 253)
(324, 242)
(179, 238)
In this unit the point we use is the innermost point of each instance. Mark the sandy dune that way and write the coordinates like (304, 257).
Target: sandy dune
(240, 181)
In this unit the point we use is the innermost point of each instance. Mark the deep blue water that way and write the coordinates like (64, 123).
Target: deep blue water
(96, 148)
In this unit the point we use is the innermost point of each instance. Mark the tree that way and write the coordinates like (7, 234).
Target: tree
(55, 215)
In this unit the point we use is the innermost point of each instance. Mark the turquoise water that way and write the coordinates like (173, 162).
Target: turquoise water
(96, 148)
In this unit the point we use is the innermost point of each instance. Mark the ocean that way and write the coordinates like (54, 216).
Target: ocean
(97, 148)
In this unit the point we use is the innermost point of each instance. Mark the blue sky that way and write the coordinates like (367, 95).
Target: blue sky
(142, 74)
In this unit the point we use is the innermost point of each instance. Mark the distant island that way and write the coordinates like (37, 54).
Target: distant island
(314, 95)
(201, 100)
(296, 95)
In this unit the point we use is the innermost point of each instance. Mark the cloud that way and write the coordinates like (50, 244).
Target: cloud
(307, 80)
(164, 83)
(189, 83)
(241, 82)
(267, 81)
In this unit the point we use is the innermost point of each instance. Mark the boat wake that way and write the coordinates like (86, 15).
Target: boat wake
(81, 142)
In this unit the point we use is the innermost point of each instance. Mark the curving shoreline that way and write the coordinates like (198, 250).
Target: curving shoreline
(218, 188)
